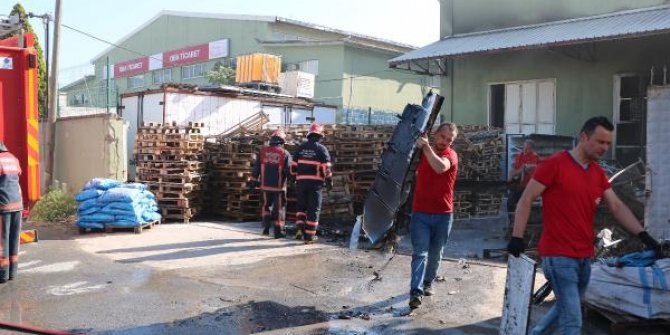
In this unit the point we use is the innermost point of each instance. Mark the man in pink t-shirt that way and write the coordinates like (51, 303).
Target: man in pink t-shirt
(432, 209)
(571, 184)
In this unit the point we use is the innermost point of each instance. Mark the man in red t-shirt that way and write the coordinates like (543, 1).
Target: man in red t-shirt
(571, 184)
(432, 208)
(523, 168)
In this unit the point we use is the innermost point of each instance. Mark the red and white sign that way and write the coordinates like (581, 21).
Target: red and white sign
(131, 67)
(186, 55)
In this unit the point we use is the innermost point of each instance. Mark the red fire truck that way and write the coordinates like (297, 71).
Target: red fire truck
(19, 128)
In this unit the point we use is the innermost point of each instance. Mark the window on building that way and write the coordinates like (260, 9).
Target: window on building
(310, 66)
(630, 113)
(527, 107)
(162, 76)
(435, 81)
(136, 81)
(193, 71)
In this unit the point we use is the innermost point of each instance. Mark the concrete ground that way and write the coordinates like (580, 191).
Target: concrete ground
(226, 278)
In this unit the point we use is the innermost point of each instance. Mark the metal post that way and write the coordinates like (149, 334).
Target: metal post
(53, 98)
(108, 80)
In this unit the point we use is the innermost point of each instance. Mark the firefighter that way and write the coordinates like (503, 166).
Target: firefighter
(11, 207)
(311, 167)
(271, 171)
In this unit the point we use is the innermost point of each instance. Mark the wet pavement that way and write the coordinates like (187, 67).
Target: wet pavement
(225, 278)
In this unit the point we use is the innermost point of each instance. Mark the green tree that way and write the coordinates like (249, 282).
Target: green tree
(221, 74)
(41, 64)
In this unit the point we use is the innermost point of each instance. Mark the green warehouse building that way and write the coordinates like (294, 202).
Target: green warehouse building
(545, 66)
(351, 70)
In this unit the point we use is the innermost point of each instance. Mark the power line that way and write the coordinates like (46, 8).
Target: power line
(108, 42)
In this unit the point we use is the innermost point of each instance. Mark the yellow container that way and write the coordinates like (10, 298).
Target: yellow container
(258, 68)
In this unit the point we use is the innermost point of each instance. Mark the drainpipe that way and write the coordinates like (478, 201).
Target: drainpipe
(164, 103)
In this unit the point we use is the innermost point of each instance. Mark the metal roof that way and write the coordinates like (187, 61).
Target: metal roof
(383, 43)
(624, 24)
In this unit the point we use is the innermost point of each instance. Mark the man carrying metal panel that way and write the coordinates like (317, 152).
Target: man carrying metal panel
(11, 207)
(432, 209)
(571, 184)
(271, 171)
(311, 167)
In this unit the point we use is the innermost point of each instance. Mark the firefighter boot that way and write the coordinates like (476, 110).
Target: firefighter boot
(4, 274)
(266, 226)
(279, 232)
(310, 239)
(299, 231)
(13, 269)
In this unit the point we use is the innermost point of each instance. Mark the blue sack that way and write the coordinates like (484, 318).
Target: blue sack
(121, 194)
(90, 203)
(97, 217)
(137, 186)
(89, 224)
(88, 211)
(101, 184)
(87, 194)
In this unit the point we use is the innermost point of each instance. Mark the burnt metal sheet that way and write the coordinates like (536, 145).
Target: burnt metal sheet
(624, 24)
(518, 294)
(390, 189)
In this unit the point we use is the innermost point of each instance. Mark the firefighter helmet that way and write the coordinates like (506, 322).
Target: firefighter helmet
(316, 129)
(278, 137)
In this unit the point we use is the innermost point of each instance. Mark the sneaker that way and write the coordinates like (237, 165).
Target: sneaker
(415, 301)
(428, 289)
(298, 235)
(279, 234)
(310, 240)
(266, 231)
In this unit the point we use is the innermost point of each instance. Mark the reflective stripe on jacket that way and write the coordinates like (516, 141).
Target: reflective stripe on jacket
(312, 162)
(272, 168)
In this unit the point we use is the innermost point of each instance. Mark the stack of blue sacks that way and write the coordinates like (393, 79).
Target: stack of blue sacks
(108, 202)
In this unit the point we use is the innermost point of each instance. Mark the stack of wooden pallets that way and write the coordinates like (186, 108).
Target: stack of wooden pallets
(480, 151)
(488, 204)
(462, 204)
(231, 162)
(358, 149)
(338, 202)
(170, 161)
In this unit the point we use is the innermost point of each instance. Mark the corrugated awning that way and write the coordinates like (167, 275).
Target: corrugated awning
(624, 24)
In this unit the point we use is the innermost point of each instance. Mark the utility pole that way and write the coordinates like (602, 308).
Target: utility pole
(53, 98)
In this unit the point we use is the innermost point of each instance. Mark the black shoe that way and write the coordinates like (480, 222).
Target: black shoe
(266, 232)
(279, 234)
(415, 300)
(310, 239)
(428, 289)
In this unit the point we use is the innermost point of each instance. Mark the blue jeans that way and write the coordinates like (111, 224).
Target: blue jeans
(429, 233)
(569, 278)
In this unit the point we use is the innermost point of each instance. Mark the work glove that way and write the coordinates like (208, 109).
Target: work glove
(329, 184)
(516, 246)
(650, 243)
(252, 184)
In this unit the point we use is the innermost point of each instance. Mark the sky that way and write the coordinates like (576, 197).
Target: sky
(413, 22)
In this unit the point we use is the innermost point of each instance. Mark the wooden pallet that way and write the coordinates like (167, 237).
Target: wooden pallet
(110, 228)
(620, 324)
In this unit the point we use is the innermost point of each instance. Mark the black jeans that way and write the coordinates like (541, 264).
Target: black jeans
(10, 230)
